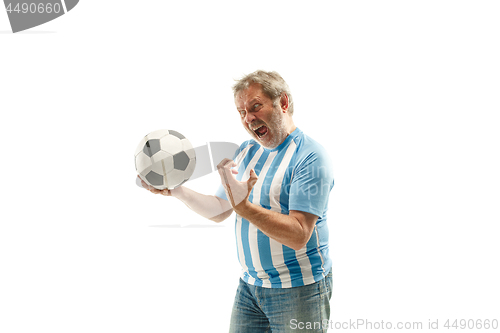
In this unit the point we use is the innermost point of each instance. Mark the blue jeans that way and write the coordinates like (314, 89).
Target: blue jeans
(279, 310)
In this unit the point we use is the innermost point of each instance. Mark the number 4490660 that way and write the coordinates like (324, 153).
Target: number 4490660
(34, 8)
(471, 324)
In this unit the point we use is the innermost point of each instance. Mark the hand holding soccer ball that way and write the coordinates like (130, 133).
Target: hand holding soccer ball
(166, 192)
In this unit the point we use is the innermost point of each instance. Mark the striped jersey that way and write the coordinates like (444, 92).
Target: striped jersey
(296, 175)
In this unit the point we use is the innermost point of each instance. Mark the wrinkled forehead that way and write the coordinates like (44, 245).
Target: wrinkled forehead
(250, 95)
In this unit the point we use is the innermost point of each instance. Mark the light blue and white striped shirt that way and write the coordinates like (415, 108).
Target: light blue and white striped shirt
(296, 175)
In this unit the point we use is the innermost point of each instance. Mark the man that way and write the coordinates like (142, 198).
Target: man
(278, 185)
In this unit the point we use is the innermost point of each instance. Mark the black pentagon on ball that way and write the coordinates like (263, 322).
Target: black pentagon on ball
(154, 178)
(151, 147)
(181, 161)
(177, 134)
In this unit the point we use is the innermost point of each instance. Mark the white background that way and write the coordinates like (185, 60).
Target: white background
(403, 94)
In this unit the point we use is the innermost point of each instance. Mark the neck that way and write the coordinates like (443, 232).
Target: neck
(290, 125)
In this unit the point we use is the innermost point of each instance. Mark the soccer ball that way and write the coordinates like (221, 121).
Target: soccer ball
(165, 159)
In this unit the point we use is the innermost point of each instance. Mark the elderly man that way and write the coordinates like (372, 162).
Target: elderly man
(278, 184)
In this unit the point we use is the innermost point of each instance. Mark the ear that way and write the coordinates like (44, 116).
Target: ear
(284, 102)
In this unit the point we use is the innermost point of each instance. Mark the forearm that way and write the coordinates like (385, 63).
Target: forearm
(207, 206)
(285, 229)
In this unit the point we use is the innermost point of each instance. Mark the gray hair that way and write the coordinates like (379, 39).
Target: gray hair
(272, 84)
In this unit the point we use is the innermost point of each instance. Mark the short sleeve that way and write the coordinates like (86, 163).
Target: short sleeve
(311, 183)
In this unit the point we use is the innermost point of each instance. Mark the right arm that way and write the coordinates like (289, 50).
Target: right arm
(208, 206)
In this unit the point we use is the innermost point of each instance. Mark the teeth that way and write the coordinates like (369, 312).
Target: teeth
(259, 135)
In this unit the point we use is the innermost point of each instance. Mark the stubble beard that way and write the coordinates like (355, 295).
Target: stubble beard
(276, 129)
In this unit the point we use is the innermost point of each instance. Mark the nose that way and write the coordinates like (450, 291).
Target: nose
(249, 117)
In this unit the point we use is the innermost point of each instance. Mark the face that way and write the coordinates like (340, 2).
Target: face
(264, 122)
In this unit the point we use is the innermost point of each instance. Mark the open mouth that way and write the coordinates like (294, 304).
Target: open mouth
(261, 131)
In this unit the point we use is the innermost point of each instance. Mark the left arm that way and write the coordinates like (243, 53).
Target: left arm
(293, 230)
